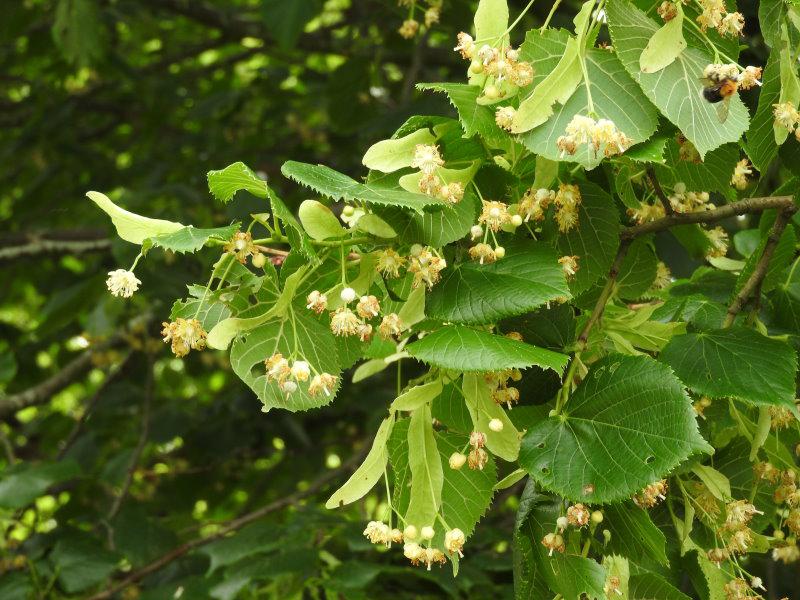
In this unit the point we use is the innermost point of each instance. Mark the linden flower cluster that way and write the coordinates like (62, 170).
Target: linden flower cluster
(184, 335)
(122, 283)
(569, 265)
(602, 133)
(567, 200)
(787, 116)
(499, 381)
(646, 212)
(430, 17)
(346, 322)
(287, 375)
(651, 495)
(454, 540)
(735, 531)
(718, 238)
(716, 15)
(663, 277)
(740, 173)
(378, 532)
(498, 64)
(781, 417)
(424, 263)
(534, 202)
(241, 247)
(428, 160)
(739, 589)
(682, 201)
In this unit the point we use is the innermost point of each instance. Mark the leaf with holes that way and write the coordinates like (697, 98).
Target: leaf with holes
(339, 186)
(629, 423)
(738, 363)
(224, 184)
(465, 349)
(676, 89)
(595, 238)
(528, 277)
(302, 336)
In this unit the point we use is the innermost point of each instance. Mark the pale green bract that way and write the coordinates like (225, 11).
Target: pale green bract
(131, 227)
(318, 220)
(666, 44)
(427, 474)
(390, 155)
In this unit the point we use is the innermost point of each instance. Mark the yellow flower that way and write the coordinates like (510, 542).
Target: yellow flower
(184, 335)
(494, 214)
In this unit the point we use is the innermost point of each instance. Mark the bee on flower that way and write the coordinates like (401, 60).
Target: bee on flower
(184, 335)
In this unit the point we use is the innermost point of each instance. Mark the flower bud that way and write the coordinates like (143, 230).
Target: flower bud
(416, 250)
(457, 460)
(410, 533)
(499, 252)
(476, 66)
(516, 220)
(259, 260)
(491, 92)
(347, 295)
(562, 523)
(597, 517)
(348, 211)
(427, 533)
(496, 425)
(300, 370)
(476, 231)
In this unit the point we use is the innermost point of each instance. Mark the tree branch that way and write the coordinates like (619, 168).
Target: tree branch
(67, 242)
(740, 207)
(231, 526)
(651, 175)
(42, 392)
(752, 287)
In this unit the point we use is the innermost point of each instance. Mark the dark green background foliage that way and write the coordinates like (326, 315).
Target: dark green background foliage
(127, 453)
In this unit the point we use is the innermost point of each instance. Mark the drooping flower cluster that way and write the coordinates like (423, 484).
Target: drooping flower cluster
(499, 65)
(554, 542)
(390, 262)
(567, 200)
(663, 277)
(499, 382)
(735, 531)
(602, 133)
(646, 212)
(745, 79)
(430, 16)
(534, 202)
(184, 335)
(739, 589)
(716, 15)
(241, 246)
(740, 173)
(683, 201)
(651, 495)
(718, 238)
(426, 266)
(428, 160)
(289, 374)
(781, 417)
(122, 283)
(378, 532)
(477, 457)
(344, 321)
(667, 10)
(569, 264)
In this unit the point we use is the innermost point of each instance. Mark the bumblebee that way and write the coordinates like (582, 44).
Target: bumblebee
(719, 91)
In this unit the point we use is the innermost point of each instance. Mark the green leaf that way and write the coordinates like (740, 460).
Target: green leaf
(466, 493)
(676, 89)
(417, 396)
(224, 184)
(300, 335)
(190, 239)
(259, 537)
(131, 227)
(482, 409)
(711, 175)
(24, 482)
(627, 424)
(465, 349)
(665, 46)
(390, 155)
(614, 94)
(716, 482)
(427, 475)
(594, 240)
(633, 533)
(651, 151)
(781, 258)
(82, 562)
(319, 221)
(335, 185)
(555, 56)
(790, 85)
(78, 31)
(528, 277)
(374, 225)
(650, 586)
(474, 118)
(368, 473)
(760, 144)
(638, 270)
(736, 362)
(286, 20)
(450, 409)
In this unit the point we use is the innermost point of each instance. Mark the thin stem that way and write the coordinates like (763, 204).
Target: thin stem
(752, 286)
(563, 395)
(553, 10)
(651, 175)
